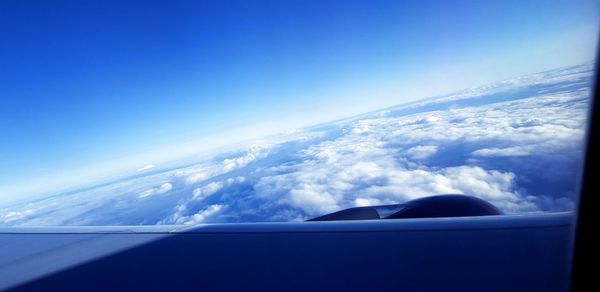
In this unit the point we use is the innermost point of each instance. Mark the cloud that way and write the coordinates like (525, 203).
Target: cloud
(200, 216)
(149, 166)
(320, 184)
(508, 151)
(255, 152)
(163, 188)
(207, 190)
(544, 82)
(15, 215)
(201, 173)
(422, 152)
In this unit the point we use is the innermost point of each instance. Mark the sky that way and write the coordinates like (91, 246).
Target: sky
(96, 89)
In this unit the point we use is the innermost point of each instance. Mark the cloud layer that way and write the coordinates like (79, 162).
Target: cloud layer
(516, 144)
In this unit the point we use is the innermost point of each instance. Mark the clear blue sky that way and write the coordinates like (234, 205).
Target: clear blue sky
(91, 89)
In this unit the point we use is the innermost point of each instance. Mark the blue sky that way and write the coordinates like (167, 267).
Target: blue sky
(93, 89)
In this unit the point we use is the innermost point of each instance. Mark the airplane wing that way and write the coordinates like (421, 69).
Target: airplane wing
(484, 253)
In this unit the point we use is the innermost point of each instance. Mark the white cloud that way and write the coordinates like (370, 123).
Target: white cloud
(322, 186)
(422, 152)
(149, 166)
(198, 174)
(201, 216)
(362, 202)
(15, 215)
(157, 190)
(256, 152)
(207, 190)
(549, 79)
(164, 188)
(238, 179)
(508, 151)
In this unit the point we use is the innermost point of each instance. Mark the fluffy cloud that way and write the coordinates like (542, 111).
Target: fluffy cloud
(200, 216)
(422, 152)
(327, 181)
(207, 190)
(559, 123)
(256, 152)
(204, 172)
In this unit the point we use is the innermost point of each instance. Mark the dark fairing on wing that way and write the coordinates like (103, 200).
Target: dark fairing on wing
(429, 207)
